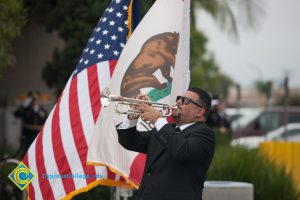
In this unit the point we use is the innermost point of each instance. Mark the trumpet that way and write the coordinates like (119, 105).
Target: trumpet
(163, 108)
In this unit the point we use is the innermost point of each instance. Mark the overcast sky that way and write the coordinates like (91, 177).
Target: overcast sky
(268, 53)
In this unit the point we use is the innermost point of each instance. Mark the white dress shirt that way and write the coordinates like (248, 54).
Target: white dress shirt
(158, 124)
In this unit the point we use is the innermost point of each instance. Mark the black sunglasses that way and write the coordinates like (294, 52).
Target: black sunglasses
(186, 101)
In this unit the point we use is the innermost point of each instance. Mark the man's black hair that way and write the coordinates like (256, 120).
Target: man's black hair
(204, 98)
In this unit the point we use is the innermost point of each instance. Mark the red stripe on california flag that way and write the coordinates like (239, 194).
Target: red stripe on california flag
(59, 153)
(30, 188)
(94, 91)
(112, 66)
(137, 168)
(44, 184)
(122, 179)
(77, 131)
(110, 174)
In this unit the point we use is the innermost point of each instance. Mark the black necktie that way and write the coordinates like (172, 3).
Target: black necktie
(177, 129)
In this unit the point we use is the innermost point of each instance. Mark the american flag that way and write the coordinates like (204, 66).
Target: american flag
(58, 155)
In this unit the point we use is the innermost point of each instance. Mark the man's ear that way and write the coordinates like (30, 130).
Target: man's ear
(200, 113)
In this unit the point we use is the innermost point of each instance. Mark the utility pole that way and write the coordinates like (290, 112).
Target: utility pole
(286, 101)
(238, 105)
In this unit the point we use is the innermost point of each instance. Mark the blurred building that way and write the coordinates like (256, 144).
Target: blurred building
(33, 49)
(250, 97)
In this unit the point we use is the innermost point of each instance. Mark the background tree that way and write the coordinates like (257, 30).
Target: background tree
(12, 19)
(265, 88)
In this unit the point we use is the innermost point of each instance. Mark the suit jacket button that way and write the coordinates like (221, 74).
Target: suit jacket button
(149, 174)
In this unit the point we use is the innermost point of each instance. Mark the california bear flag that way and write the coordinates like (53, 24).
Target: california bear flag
(155, 61)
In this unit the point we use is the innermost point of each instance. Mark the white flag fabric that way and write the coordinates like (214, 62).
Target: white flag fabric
(155, 61)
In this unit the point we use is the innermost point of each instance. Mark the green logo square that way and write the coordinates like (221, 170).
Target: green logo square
(21, 176)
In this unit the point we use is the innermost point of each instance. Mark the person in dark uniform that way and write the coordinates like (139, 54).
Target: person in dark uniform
(33, 116)
(217, 117)
(177, 157)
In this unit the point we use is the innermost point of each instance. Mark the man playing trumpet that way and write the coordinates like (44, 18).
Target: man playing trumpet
(177, 158)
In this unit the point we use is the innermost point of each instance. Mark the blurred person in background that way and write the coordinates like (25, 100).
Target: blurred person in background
(217, 117)
(33, 116)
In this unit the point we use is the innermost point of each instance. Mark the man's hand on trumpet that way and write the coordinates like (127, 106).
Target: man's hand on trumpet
(149, 113)
(136, 107)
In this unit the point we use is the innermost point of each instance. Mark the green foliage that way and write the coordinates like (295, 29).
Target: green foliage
(240, 164)
(222, 139)
(264, 87)
(145, 5)
(12, 19)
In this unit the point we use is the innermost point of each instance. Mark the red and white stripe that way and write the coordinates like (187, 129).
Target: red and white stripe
(61, 146)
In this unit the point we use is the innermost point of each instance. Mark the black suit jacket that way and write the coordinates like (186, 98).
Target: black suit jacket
(176, 163)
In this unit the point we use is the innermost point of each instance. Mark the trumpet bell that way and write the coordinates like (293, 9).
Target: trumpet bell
(106, 92)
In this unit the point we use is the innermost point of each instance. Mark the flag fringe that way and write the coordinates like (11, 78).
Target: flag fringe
(129, 24)
(27, 189)
(116, 172)
(104, 182)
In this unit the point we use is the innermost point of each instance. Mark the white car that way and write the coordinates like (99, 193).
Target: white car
(251, 142)
(243, 116)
